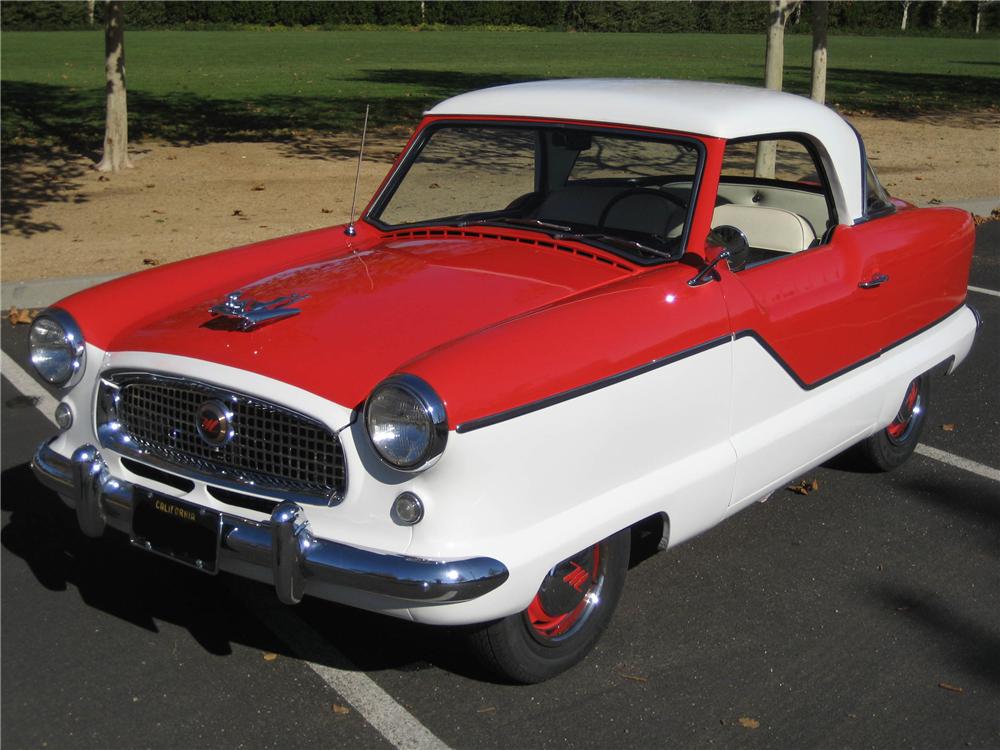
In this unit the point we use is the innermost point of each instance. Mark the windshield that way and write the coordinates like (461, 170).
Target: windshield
(628, 193)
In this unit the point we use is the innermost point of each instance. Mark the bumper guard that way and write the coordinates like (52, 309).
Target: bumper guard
(283, 545)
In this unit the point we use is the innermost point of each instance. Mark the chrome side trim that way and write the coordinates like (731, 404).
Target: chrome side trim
(284, 545)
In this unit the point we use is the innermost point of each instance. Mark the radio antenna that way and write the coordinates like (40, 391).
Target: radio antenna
(351, 230)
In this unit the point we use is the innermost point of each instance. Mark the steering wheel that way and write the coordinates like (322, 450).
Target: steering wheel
(638, 191)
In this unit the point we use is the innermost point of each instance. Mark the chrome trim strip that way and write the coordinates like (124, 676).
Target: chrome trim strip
(284, 545)
(558, 398)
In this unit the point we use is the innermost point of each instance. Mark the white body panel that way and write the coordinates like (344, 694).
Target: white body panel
(696, 439)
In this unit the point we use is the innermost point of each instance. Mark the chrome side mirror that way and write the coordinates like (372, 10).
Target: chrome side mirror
(735, 241)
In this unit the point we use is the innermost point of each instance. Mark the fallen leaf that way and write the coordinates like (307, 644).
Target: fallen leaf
(158, 211)
(22, 316)
(237, 212)
(339, 709)
(433, 186)
(918, 178)
(150, 262)
(151, 185)
(487, 710)
(257, 187)
(748, 723)
(270, 656)
(949, 427)
(804, 487)
(952, 688)
(633, 677)
(326, 210)
(934, 202)
(103, 178)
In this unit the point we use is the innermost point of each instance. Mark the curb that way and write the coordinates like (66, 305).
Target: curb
(42, 292)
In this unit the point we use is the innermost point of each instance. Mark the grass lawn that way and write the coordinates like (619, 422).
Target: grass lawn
(202, 86)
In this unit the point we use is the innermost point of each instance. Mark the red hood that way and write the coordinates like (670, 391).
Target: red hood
(368, 313)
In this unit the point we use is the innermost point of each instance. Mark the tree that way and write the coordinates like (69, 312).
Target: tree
(819, 16)
(116, 122)
(774, 68)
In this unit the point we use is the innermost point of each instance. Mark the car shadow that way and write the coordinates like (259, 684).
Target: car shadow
(112, 576)
(976, 647)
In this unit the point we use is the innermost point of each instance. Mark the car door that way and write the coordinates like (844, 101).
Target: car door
(801, 332)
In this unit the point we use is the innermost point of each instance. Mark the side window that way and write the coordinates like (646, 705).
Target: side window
(774, 191)
(876, 197)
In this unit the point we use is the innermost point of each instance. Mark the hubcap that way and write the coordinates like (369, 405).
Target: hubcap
(908, 416)
(569, 594)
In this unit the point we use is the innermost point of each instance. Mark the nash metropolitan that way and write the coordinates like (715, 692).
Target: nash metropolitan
(571, 307)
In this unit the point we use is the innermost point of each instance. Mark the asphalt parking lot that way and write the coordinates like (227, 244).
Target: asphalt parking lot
(864, 614)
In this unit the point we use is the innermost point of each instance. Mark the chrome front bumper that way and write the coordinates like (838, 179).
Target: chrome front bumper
(282, 547)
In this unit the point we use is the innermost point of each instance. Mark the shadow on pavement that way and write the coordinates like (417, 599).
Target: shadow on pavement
(112, 576)
(970, 643)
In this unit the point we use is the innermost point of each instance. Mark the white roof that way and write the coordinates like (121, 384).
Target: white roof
(714, 109)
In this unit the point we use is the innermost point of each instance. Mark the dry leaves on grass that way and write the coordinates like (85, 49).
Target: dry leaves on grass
(22, 316)
(804, 487)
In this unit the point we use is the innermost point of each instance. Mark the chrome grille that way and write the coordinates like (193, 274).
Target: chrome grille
(274, 449)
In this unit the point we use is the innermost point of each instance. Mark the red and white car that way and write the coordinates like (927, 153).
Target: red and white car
(571, 307)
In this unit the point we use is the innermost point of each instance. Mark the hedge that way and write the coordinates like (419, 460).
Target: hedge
(851, 16)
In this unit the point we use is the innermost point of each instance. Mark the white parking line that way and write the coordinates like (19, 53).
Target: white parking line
(375, 705)
(28, 386)
(984, 291)
(962, 463)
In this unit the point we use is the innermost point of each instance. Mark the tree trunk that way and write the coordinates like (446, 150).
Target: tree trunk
(906, 14)
(774, 65)
(979, 13)
(116, 123)
(940, 14)
(819, 16)
(90, 12)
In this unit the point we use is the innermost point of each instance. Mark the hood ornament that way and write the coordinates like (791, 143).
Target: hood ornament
(249, 314)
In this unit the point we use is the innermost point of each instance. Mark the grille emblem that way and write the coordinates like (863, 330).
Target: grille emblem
(248, 313)
(215, 423)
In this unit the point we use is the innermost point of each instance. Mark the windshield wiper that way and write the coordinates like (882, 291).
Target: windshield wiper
(613, 240)
(517, 222)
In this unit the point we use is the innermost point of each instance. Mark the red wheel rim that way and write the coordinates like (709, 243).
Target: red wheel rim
(907, 416)
(567, 596)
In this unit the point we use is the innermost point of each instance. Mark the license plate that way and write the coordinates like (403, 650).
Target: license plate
(181, 531)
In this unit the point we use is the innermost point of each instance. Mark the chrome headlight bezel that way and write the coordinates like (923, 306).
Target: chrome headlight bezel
(433, 409)
(71, 339)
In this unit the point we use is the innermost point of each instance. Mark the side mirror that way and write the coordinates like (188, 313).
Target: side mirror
(735, 242)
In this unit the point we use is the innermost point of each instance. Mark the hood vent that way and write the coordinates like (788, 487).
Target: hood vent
(463, 233)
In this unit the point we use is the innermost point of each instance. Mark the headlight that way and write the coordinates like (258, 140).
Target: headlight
(57, 348)
(406, 423)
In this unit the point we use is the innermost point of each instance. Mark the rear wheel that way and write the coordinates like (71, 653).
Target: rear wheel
(563, 622)
(889, 448)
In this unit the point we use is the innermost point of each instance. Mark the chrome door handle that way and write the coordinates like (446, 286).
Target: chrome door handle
(876, 280)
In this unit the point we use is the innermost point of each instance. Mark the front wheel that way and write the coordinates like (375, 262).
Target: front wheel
(889, 448)
(573, 606)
